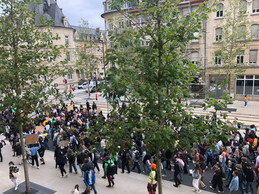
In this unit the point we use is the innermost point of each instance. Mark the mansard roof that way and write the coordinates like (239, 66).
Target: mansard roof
(49, 9)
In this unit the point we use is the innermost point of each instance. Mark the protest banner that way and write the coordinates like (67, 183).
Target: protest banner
(32, 139)
(39, 129)
(63, 143)
(69, 108)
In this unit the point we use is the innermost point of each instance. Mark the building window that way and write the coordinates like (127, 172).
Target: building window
(247, 84)
(121, 23)
(70, 75)
(195, 58)
(218, 58)
(243, 6)
(128, 23)
(110, 26)
(255, 31)
(140, 21)
(185, 11)
(253, 57)
(68, 56)
(218, 34)
(66, 40)
(240, 57)
(241, 32)
(219, 10)
(255, 6)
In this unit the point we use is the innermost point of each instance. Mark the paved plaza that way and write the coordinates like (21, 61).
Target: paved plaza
(48, 176)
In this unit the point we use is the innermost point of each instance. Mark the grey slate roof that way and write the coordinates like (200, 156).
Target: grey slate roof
(51, 11)
(90, 31)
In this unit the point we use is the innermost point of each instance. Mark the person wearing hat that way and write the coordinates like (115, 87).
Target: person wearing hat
(152, 183)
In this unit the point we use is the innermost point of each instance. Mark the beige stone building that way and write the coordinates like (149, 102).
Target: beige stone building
(247, 82)
(91, 42)
(203, 51)
(68, 34)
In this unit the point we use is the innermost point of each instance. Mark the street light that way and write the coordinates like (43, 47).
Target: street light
(104, 71)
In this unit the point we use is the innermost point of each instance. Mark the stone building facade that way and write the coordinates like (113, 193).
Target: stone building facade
(202, 51)
(49, 9)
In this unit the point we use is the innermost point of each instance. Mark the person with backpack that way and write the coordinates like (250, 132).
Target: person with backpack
(136, 157)
(152, 183)
(196, 177)
(89, 179)
(110, 169)
(176, 170)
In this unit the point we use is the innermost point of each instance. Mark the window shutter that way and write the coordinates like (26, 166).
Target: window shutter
(254, 31)
(194, 56)
(253, 56)
(219, 31)
(255, 4)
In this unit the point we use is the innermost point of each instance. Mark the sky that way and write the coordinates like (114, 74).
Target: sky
(89, 10)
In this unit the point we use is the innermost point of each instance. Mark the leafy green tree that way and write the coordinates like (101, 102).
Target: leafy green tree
(152, 71)
(232, 39)
(26, 74)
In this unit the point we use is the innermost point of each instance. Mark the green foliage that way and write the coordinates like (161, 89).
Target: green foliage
(26, 75)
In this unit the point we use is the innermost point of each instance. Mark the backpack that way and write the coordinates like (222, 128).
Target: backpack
(137, 155)
(179, 166)
(112, 169)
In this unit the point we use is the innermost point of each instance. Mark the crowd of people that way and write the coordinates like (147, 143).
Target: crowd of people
(235, 162)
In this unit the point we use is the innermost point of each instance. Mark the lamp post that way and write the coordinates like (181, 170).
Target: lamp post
(104, 71)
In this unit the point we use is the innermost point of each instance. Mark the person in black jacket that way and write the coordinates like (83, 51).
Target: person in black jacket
(1, 157)
(80, 161)
(217, 179)
(125, 157)
(71, 160)
(176, 171)
(249, 178)
(60, 155)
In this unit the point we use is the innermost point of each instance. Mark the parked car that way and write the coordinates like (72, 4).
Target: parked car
(83, 85)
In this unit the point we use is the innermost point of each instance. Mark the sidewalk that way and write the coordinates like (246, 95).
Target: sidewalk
(48, 176)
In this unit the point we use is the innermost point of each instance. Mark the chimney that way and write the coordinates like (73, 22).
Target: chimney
(98, 30)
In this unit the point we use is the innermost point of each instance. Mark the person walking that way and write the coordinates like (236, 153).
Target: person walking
(176, 171)
(107, 171)
(34, 156)
(89, 179)
(152, 183)
(125, 157)
(249, 178)
(217, 179)
(136, 157)
(61, 161)
(12, 174)
(196, 177)
(1, 157)
(234, 184)
(71, 160)
(245, 100)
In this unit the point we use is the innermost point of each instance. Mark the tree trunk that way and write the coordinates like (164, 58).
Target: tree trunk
(25, 166)
(159, 172)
